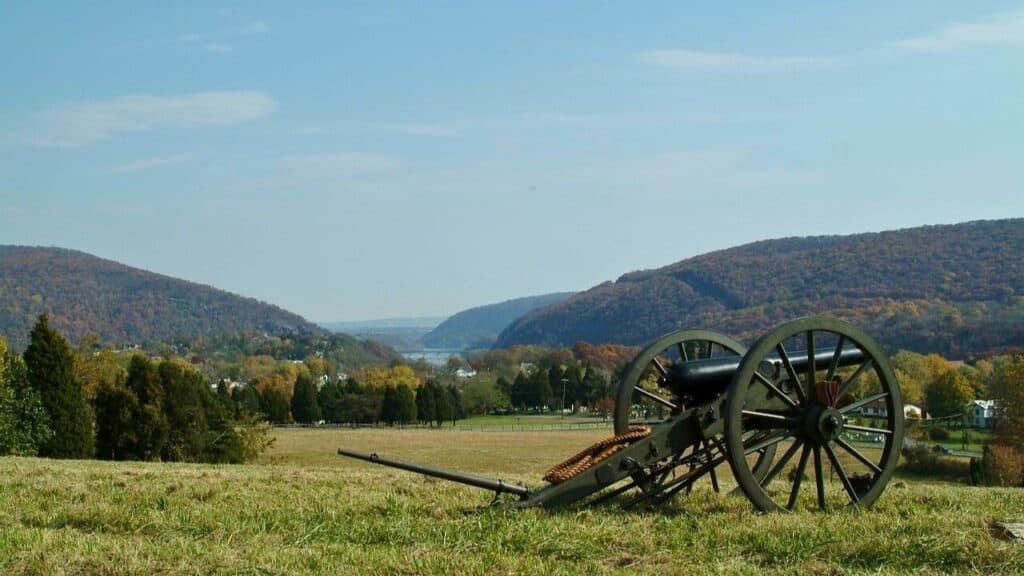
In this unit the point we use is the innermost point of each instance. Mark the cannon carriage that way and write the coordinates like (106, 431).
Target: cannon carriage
(780, 414)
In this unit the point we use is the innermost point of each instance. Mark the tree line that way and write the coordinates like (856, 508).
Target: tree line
(391, 396)
(58, 404)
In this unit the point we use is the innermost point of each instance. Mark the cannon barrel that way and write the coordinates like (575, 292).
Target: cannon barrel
(499, 486)
(716, 373)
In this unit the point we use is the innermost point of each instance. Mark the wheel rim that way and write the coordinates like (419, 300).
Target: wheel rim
(657, 359)
(813, 415)
(645, 377)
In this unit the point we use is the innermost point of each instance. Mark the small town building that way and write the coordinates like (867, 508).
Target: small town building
(981, 414)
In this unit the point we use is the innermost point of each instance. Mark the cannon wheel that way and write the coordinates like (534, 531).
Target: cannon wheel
(813, 412)
(653, 363)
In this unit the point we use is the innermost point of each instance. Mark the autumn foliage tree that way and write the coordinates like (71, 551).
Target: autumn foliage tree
(950, 394)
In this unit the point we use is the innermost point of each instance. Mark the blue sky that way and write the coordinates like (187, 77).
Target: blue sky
(354, 160)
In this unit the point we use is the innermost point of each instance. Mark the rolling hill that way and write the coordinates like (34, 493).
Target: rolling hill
(479, 327)
(954, 289)
(84, 294)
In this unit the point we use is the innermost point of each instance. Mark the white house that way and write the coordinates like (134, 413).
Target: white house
(912, 411)
(465, 373)
(981, 413)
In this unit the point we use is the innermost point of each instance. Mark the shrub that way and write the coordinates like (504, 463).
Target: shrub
(939, 434)
(924, 461)
(1002, 465)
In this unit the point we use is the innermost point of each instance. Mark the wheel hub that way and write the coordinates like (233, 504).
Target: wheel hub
(823, 424)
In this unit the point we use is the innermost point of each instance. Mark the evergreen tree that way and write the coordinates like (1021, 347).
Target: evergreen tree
(458, 406)
(555, 386)
(115, 407)
(361, 408)
(504, 386)
(442, 405)
(186, 405)
(247, 401)
(389, 408)
(305, 408)
(50, 365)
(405, 401)
(574, 393)
(151, 427)
(541, 394)
(520, 393)
(595, 386)
(274, 404)
(24, 424)
(352, 386)
(224, 394)
(426, 403)
(330, 400)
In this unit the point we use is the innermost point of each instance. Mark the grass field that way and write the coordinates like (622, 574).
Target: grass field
(305, 510)
(528, 420)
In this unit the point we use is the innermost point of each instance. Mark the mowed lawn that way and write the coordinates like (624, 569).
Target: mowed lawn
(304, 509)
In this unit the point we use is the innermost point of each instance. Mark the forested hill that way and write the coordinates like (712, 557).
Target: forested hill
(84, 294)
(480, 326)
(954, 289)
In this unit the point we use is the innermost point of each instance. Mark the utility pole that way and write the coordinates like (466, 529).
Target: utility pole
(564, 380)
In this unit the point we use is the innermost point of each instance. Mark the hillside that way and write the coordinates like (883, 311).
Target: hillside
(84, 294)
(953, 289)
(479, 327)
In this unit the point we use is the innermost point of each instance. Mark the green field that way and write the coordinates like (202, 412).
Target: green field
(305, 510)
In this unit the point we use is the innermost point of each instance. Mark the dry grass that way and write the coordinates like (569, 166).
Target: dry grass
(314, 512)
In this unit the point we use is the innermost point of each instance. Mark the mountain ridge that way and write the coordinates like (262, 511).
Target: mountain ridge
(956, 289)
(479, 327)
(87, 294)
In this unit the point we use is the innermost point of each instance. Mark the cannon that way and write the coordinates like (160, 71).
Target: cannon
(810, 416)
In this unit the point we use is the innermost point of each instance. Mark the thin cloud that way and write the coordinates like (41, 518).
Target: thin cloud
(85, 123)
(999, 30)
(146, 164)
(331, 168)
(257, 27)
(421, 129)
(218, 48)
(693, 59)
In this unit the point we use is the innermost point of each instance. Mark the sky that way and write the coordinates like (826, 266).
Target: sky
(359, 160)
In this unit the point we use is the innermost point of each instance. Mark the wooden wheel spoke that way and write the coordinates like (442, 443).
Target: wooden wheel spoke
(682, 352)
(798, 479)
(819, 477)
(834, 364)
(801, 393)
(868, 429)
(856, 454)
(863, 402)
(655, 397)
(775, 390)
(770, 440)
(770, 416)
(864, 366)
(842, 473)
(781, 463)
(657, 364)
(775, 397)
